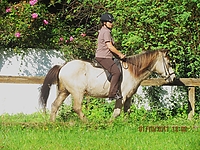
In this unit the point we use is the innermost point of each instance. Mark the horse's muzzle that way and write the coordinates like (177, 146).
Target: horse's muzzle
(170, 77)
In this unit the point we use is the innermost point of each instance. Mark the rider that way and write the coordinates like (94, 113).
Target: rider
(105, 52)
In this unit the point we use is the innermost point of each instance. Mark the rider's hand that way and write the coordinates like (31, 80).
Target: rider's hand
(122, 56)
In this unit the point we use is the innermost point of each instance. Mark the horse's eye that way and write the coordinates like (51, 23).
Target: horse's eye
(172, 64)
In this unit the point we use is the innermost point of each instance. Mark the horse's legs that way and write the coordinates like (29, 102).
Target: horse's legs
(127, 105)
(118, 107)
(77, 106)
(57, 103)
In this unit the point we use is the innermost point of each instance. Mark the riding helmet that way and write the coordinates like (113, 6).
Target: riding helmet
(107, 17)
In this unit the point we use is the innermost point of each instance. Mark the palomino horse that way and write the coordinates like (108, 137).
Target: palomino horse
(80, 78)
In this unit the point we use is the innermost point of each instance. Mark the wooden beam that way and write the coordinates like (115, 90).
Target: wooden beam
(148, 82)
(177, 82)
(21, 79)
(191, 102)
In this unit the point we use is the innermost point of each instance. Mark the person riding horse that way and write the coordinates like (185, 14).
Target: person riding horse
(105, 52)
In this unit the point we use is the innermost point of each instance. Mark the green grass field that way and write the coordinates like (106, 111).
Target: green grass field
(35, 132)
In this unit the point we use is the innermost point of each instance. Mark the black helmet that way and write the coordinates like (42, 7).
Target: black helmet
(107, 17)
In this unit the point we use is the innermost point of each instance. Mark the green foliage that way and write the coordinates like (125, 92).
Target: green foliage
(98, 109)
(99, 113)
(139, 26)
(154, 94)
(173, 25)
(80, 48)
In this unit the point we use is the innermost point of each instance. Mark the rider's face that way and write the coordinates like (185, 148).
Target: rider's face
(109, 25)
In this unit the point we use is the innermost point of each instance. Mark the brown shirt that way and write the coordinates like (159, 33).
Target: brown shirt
(102, 49)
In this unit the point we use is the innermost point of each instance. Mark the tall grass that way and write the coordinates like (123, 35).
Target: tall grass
(58, 136)
(140, 130)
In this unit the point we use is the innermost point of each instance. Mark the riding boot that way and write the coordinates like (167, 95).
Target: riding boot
(117, 96)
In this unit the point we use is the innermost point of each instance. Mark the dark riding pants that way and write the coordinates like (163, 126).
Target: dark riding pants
(109, 64)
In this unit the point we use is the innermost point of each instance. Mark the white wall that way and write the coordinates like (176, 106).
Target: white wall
(23, 98)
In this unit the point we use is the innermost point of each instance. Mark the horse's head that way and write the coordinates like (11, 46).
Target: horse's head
(162, 66)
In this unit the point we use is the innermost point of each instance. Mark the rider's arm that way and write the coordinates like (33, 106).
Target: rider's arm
(114, 50)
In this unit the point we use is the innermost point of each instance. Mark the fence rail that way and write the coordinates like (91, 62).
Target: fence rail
(147, 82)
(189, 82)
(21, 79)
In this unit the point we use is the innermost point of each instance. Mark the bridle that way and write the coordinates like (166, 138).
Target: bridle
(167, 73)
(166, 69)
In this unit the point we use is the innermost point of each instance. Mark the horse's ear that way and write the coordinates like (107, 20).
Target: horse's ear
(165, 52)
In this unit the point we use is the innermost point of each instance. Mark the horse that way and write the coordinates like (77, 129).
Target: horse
(80, 78)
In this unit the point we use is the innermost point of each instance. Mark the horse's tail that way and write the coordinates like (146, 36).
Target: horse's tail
(51, 78)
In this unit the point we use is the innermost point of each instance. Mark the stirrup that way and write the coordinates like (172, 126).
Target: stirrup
(116, 97)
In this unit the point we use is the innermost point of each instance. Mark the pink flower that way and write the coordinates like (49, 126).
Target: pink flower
(83, 34)
(61, 38)
(17, 34)
(8, 10)
(34, 15)
(71, 39)
(32, 2)
(45, 22)
(66, 41)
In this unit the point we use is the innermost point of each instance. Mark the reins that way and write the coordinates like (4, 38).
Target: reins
(129, 62)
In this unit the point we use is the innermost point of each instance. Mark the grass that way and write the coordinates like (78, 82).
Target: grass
(32, 132)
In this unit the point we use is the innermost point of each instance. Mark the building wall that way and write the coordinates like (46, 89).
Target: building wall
(23, 98)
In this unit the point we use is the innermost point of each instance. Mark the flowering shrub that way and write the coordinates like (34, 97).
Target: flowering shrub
(30, 24)
(34, 15)
(17, 34)
(32, 2)
(8, 10)
(21, 25)
(45, 21)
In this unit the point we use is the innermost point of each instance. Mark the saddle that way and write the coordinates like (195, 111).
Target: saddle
(96, 64)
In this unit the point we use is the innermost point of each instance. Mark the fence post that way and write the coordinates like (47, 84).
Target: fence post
(191, 102)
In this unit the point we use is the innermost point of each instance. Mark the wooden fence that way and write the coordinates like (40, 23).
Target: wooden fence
(191, 83)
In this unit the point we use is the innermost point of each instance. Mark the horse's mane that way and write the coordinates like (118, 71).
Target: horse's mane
(139, 63)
